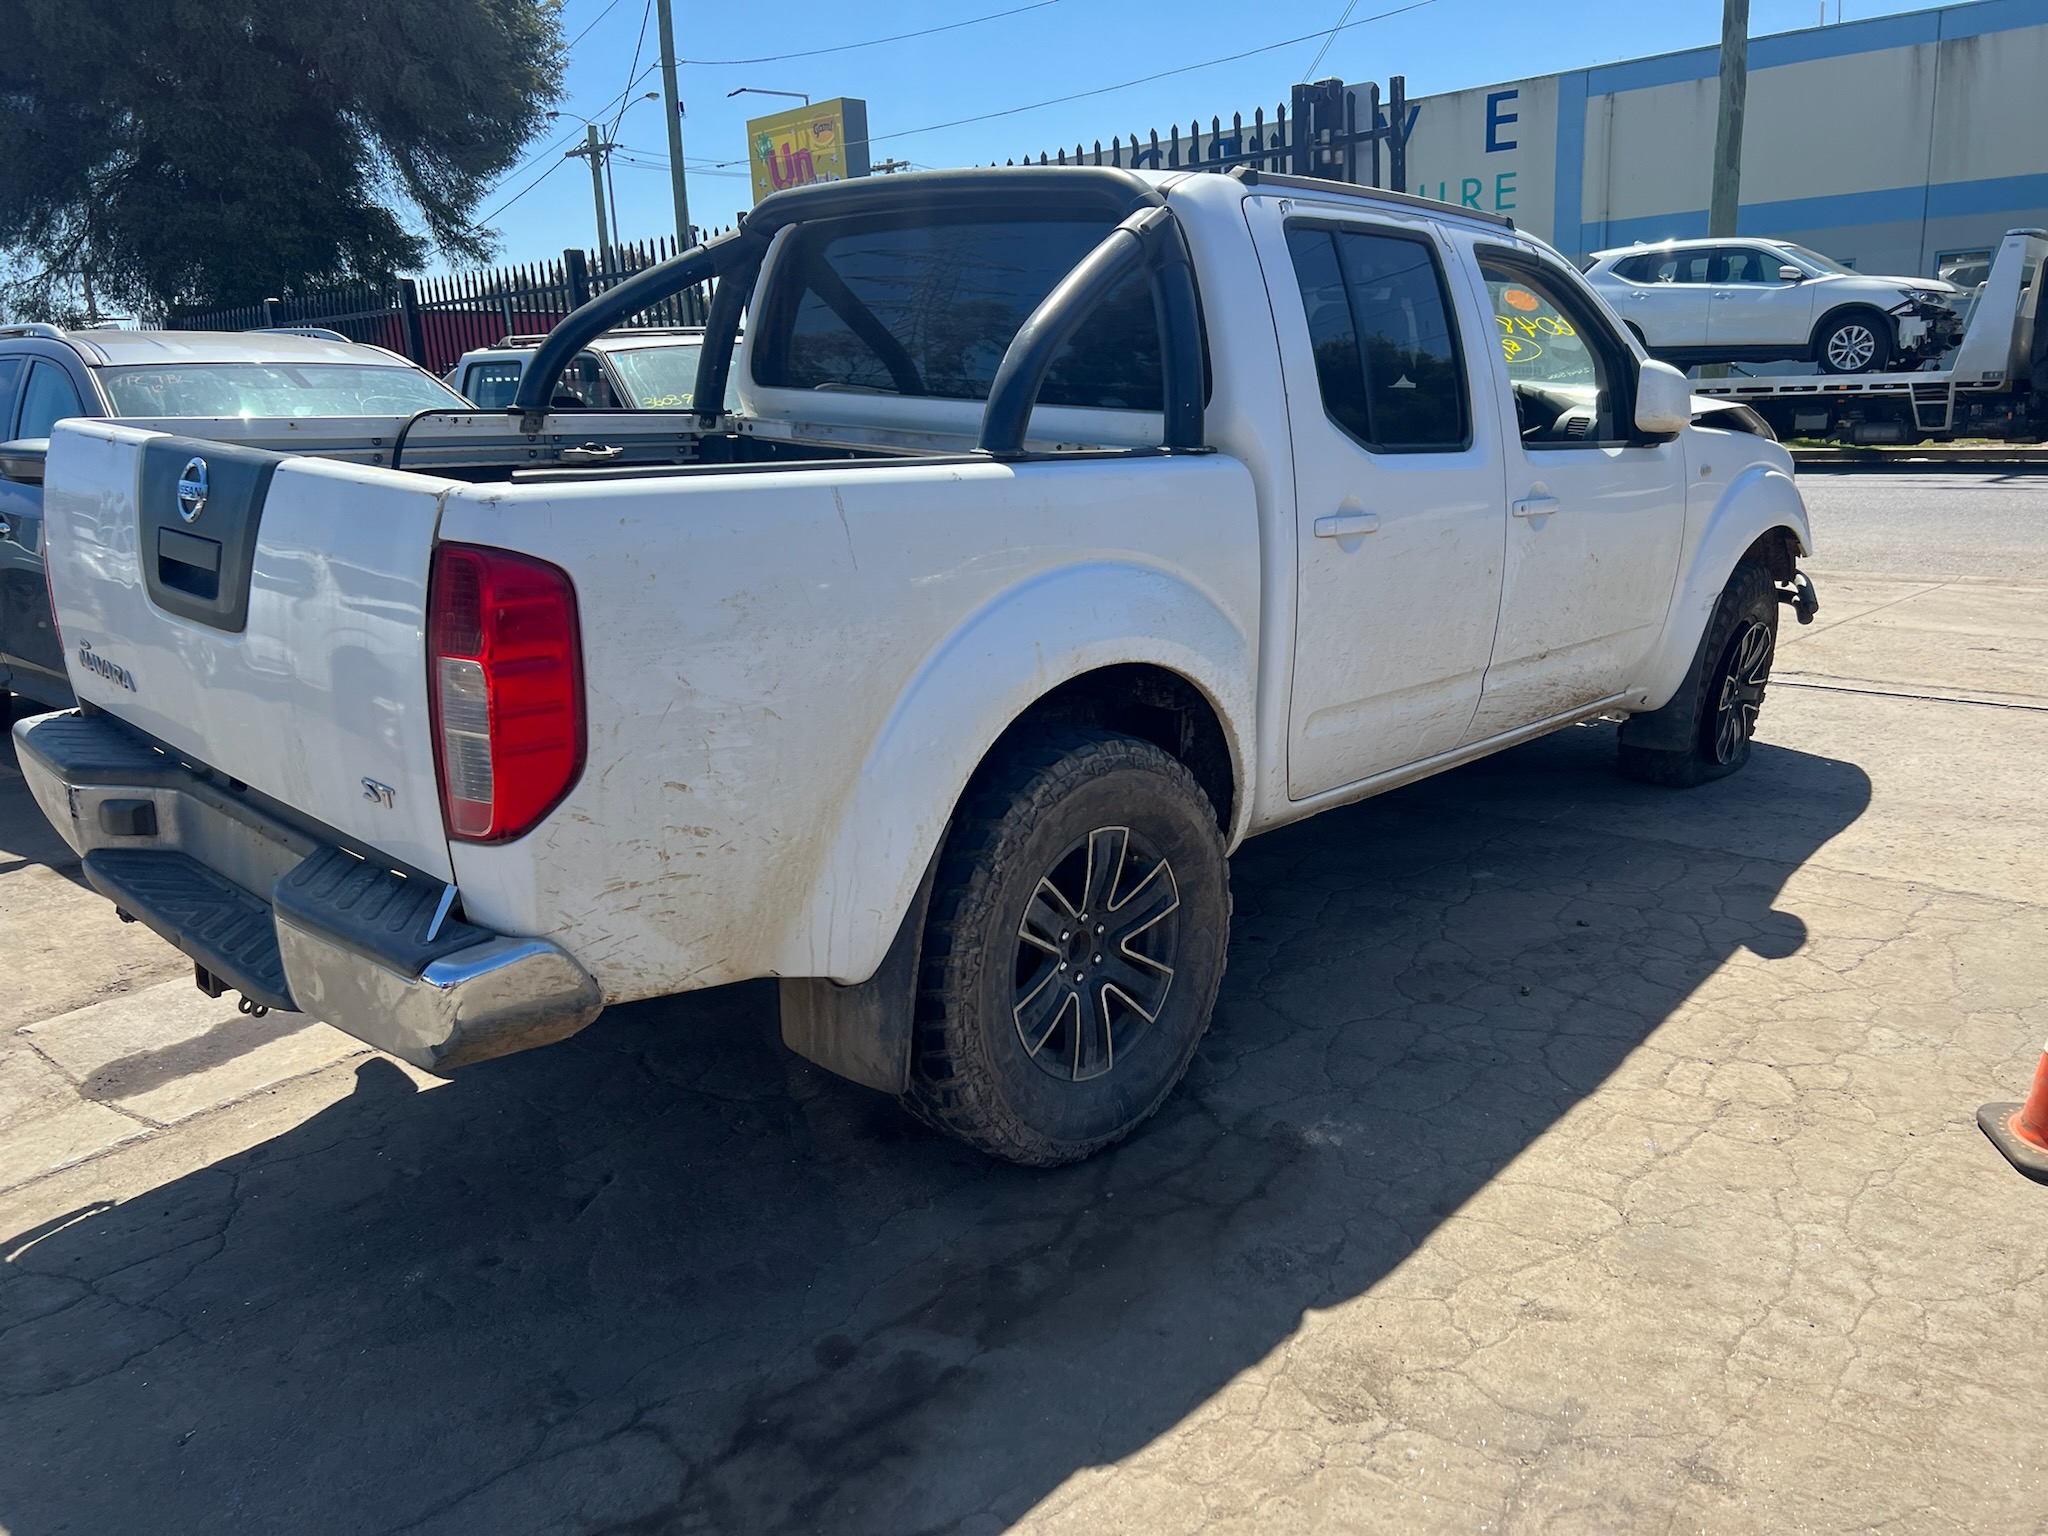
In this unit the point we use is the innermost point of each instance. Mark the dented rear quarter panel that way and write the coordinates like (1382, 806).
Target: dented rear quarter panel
(791, 675)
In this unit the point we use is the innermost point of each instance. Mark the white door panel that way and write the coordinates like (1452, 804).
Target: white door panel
(1668, 314)
(1752, 306)
(1592, 545)
(1400, 531)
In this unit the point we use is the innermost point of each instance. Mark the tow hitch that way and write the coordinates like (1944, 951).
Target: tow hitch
(213, 986)
(1804, 601)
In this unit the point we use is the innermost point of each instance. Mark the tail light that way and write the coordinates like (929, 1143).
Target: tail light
(505, 660)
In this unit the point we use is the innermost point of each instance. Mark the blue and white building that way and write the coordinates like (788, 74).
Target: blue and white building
(1903, 144)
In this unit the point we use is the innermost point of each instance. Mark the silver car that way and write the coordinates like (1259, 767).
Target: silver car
(1763, 301)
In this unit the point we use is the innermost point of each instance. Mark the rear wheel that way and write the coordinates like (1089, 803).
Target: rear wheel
(1715, 709)
(1859, 341)
(1076, 940)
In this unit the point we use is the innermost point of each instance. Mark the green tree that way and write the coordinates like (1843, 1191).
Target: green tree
(218, 151)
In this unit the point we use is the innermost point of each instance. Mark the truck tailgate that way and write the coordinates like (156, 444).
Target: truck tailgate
(265, 615)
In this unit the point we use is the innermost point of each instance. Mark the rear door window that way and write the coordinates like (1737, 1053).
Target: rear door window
(1677, 267)
(1388, 360)
(47, 400)
(928, 309)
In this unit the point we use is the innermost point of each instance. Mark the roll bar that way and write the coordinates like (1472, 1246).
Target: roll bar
(642, 290)
(1148, 239)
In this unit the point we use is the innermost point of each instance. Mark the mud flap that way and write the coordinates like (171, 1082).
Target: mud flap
(864, 1032)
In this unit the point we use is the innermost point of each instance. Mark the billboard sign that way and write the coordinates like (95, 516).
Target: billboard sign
(827, 141)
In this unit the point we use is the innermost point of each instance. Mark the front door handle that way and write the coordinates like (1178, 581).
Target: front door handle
(1347, 525)
(1536, 506)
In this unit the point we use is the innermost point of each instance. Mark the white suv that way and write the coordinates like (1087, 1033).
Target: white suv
(1762, 301)
(652, 369)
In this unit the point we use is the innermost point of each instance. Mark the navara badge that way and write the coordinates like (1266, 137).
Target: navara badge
(192, 490)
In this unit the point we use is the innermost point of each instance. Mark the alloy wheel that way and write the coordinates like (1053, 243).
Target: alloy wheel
(1852, 347)
(1745, 670)
(1095, 952)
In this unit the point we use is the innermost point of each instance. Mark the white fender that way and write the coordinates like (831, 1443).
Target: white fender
(987, 673)
(1760, 498)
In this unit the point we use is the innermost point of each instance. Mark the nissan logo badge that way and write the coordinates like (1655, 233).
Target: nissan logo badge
(192, 490)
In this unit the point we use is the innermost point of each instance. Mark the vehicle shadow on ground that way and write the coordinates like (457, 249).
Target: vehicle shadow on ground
(668, 1277)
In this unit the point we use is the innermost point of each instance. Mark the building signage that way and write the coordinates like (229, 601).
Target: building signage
(827, 141)
(1493, 149)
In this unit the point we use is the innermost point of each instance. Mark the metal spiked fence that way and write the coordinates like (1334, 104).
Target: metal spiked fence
(1316, 133)
(434, 320)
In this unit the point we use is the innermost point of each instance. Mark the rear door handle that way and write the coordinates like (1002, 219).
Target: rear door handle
(1536, 506)
(1347, 525)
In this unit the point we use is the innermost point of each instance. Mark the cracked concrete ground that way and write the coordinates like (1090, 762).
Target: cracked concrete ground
(1566, 1154)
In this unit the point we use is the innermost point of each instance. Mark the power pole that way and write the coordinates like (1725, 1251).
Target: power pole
(672, 106)
(1725, 201)
(1727, 193)
(596, 150)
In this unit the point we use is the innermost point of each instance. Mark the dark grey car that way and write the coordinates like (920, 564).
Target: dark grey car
(47, 374)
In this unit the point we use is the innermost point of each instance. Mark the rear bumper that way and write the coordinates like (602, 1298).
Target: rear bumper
(290, 920)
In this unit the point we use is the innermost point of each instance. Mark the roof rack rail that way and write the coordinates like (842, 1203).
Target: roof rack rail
(33, 328)
(1252, 176)
(317, 332)
(623, 332)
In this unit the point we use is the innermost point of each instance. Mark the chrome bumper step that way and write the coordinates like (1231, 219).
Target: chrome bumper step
(267, 904)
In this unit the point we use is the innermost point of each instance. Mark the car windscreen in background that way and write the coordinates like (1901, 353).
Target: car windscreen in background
(659, 378)
(930, 308)
(272, 389)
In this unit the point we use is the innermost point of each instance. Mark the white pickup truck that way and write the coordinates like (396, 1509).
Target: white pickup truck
(1075, 525)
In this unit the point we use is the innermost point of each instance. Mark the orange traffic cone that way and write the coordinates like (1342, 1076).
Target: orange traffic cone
(2020, 1131)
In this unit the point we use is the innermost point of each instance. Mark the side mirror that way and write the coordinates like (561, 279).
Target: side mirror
(1791, 274)
(22, 462)
(1663, 400)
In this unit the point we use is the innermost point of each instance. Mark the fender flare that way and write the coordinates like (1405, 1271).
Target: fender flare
(1759, 499)
(973, 686)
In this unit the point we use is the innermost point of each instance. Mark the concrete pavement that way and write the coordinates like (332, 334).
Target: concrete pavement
(1565, 1155)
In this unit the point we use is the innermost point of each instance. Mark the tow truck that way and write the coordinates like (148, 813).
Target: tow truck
(1994, 384)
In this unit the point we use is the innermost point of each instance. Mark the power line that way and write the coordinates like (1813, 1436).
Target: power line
(1164, 74)
(600, 16)
(556, 144)
(1318, 59)
(543, 176)
(631, 81)
(876, 42)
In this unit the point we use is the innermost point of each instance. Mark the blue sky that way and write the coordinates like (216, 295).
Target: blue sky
(1051, 48)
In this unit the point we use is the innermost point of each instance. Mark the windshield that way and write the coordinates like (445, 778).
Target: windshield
(273, 389)
(660, 378)
(1826, 264)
